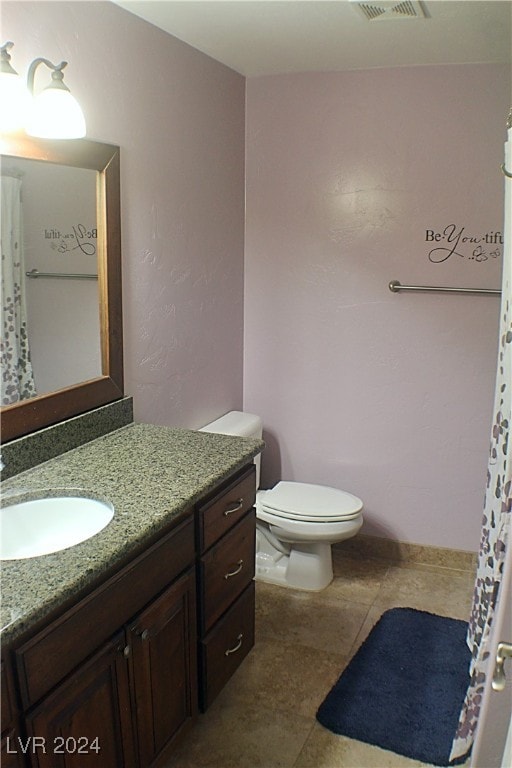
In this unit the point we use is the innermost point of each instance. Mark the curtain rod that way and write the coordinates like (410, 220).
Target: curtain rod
(395, 286)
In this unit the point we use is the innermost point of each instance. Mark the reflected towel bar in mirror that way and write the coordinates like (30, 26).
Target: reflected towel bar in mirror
(395, 286)
(97, 167)
(61, 275)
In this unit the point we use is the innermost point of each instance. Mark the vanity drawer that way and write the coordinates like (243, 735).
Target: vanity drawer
(226, 569)
(227, 508)
(50, 655)
(226, 646)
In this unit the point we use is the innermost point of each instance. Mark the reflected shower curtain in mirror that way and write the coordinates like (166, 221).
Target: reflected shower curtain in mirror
(496, 523)
(17, 376)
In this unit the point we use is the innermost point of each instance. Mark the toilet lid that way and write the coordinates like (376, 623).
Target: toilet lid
(304, 501)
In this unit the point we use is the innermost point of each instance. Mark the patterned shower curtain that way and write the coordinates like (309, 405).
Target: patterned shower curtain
(17, 375)
(496, 524)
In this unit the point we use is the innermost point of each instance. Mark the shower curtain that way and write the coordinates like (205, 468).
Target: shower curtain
(17, 376)
(496, 523)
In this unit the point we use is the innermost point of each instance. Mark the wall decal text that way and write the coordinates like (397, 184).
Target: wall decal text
(457, 242)
(80, 237)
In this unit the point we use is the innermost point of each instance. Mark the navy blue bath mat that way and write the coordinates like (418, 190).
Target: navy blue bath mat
(404, 689)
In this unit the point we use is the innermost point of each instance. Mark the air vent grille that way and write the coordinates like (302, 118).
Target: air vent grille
(388, 10)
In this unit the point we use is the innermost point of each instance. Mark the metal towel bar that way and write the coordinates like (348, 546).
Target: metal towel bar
(395, 287)
(61, 275)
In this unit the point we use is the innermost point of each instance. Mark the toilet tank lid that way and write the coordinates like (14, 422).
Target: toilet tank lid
(236, 423)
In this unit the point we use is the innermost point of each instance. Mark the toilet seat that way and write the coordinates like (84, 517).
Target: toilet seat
(307, 502)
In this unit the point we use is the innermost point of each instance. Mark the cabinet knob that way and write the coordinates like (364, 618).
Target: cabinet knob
(238, 568)
(144, 634)
(235, 508)
(237, 646)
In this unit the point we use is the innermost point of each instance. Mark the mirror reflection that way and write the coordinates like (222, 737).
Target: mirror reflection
(64, 354)
(50, 301)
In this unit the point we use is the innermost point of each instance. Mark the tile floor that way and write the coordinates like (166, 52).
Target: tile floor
(265, 716)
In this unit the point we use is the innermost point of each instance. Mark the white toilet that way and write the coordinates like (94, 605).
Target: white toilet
(296, 522)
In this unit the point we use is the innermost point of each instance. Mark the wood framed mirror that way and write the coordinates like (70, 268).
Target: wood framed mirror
(50, 407)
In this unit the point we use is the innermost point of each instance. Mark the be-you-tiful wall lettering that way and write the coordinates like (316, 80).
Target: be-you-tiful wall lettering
(457, 243)
(79, 238)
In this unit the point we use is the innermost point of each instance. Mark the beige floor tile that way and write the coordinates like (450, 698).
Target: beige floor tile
(324, 621)
(280, 676)
(372, 618)
(356, 580)
(324, 749)
(265, 716)
(469, 573)
(248, 736)
(446, 593)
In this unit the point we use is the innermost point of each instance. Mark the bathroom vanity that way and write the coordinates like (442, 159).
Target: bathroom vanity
(111, 647)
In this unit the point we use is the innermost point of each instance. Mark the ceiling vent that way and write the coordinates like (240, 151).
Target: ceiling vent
(388, 10)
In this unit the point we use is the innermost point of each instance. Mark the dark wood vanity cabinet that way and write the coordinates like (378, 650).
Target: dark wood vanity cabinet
(226, 527)
(113, 680)
(163, 665)
(10, 753)
(89, 717)
(86, 720)
(126, 702)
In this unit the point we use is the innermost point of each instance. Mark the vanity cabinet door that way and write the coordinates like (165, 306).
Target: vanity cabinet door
(162, 640)
(10, 748)
(86, 721)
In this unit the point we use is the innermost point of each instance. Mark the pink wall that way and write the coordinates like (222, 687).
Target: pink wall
(385, 395)
(178, 117)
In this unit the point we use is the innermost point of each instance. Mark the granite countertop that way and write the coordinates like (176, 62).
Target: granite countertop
(151, 475)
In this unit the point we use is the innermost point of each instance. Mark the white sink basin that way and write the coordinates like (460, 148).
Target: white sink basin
(39, 526)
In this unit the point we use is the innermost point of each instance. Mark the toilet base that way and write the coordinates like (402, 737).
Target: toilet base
(305, 566)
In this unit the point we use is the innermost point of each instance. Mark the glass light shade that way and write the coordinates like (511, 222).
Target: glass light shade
(56, 114)
(15, 102)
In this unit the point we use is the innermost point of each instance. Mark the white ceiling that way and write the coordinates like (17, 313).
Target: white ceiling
(260, 37)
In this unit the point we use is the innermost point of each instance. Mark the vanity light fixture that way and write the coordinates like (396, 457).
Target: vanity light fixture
(14, 96)
(51, 114)
(55, 113)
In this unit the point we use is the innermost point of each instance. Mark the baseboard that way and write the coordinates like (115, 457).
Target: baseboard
(375, 547)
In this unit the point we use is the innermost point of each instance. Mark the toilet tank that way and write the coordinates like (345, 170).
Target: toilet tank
(239, 424)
